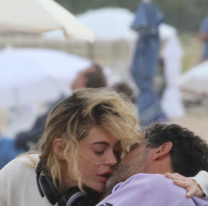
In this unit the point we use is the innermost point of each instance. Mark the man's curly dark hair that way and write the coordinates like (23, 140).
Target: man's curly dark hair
(189, 154)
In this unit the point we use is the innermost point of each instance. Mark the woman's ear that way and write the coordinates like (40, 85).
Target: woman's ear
(163, 150)
(58, 148)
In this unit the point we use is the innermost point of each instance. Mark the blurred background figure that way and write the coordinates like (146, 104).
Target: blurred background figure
(145, 61)
(203, 36)
(125, 88)
(91, 77)
(171, 61)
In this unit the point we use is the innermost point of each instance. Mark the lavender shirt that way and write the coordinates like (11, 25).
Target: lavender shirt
(149, 190)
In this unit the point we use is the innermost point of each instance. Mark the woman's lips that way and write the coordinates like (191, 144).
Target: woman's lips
(103, 178)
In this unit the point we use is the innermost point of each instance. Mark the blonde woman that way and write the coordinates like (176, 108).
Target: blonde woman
(85, 136)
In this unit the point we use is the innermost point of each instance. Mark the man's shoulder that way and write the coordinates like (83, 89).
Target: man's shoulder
(149, 180)
(153, 184)
(147, 190)
(153, 178)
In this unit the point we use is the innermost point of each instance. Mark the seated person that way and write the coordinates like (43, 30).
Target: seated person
(138, 179)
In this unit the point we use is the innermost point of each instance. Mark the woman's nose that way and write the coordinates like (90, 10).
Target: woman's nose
(111, 160)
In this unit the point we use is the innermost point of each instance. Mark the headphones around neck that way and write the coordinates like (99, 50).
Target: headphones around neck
(46, 188)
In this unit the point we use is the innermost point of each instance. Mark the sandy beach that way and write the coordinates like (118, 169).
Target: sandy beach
(197, 124)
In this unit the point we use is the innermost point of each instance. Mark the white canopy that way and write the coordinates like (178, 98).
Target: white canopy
(30, 76)
(39, 16)
(195, 79)
(167, 31)
(110, 24)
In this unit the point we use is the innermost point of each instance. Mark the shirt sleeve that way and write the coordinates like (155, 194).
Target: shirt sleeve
(18, 183)
(8, 177)
(204, 26)
(202, 179)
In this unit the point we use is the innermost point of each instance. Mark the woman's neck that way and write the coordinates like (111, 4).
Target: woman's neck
(66, 181)
(66, 184)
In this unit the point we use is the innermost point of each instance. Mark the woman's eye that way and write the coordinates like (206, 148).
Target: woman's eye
(98, 152)
(117, 154)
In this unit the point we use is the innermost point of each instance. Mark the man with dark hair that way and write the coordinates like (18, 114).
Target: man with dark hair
(92, 77)
(138, 179)
(188, 154)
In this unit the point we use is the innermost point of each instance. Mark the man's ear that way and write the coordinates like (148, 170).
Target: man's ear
(58, 148)
(163, 150)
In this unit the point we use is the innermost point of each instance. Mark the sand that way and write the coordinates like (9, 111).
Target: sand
(196, 123)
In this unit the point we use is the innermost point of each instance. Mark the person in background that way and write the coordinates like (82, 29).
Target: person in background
(145, 61)
(124, 88)
(138, 178)
(92, 77)
(203, 36)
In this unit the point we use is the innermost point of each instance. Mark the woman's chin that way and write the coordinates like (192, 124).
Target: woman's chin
(99, 187)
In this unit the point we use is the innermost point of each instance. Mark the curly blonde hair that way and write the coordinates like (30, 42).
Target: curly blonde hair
(74, 117)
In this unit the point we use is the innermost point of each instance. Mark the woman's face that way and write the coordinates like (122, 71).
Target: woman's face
(99, 151)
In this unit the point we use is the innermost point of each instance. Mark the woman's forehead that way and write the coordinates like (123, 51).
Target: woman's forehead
(98, 134)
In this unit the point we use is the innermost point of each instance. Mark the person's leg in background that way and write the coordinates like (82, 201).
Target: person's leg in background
(143, 70)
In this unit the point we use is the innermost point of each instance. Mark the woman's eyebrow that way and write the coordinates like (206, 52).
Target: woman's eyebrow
(102, 143)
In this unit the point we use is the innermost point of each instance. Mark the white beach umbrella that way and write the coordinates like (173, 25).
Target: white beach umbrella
(166, 31)
(110, 24)
(196, 79)
(40, 16)
(31, 76)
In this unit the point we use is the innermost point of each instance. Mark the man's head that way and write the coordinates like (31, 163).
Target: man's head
(124, 88)
(166, 148)
(92, 77)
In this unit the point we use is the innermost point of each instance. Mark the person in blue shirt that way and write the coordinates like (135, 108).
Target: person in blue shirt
(203, 36)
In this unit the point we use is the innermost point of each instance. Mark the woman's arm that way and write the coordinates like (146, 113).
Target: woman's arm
(196, 186)
(202, 179)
